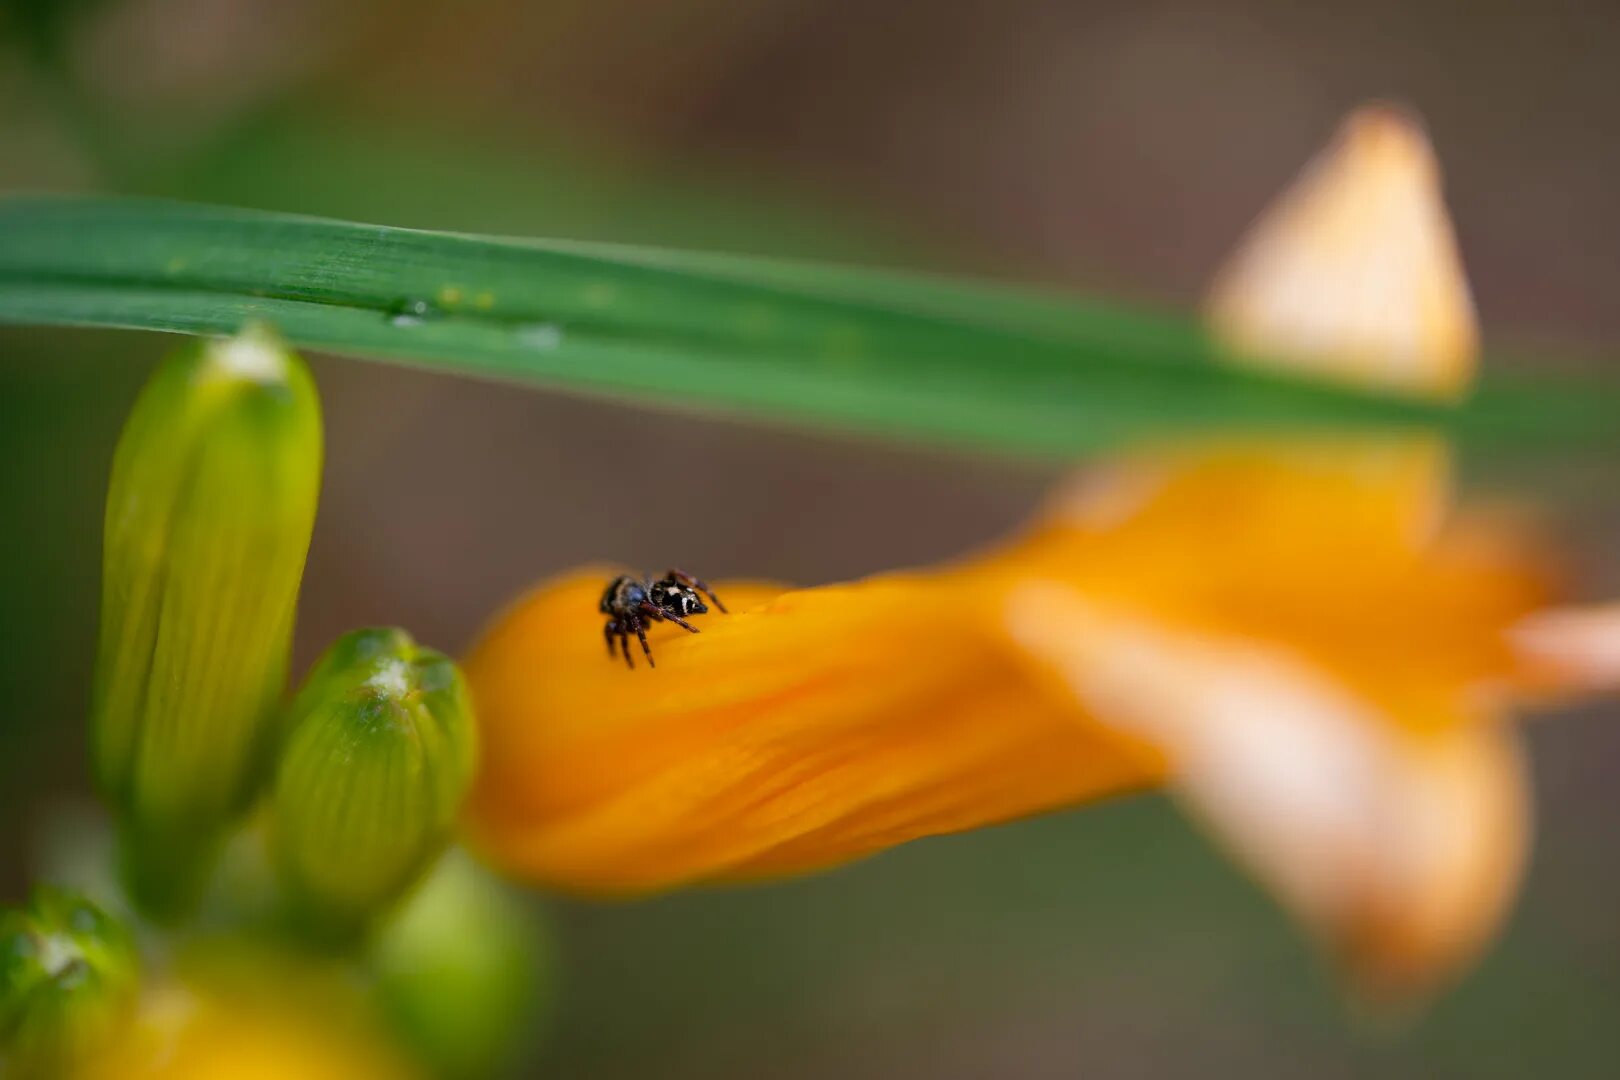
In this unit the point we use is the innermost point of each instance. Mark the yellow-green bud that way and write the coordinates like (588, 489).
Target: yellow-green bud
(68, 975)
(379, 751)
(209, 515)
(464, 970)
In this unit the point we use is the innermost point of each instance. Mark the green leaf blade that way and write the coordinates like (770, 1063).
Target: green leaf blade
(909, 357)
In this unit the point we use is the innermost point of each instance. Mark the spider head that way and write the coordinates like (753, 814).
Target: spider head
(676, 599)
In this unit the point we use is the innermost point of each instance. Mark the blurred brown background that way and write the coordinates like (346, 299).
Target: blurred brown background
(1110, 147)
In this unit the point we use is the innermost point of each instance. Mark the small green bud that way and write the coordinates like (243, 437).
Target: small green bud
(464, 970)
(68, 975)
(379, 751)
(209, 515)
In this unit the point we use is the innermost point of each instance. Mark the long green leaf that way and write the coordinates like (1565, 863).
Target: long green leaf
(907, 356)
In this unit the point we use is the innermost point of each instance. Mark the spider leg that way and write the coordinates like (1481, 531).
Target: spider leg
(700, 585)
(658, 614)
(607, 634)
(641, 632)
(620, 628)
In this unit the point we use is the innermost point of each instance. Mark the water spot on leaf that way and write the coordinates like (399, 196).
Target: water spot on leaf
(413, 312)
(540, 336)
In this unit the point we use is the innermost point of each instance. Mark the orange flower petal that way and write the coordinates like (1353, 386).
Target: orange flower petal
(1340, 548)
(1398, 839)
(1364, 779)
(807, 728)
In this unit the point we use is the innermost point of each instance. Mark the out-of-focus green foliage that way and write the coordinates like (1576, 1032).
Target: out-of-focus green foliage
(465, 972)
(209, 515)
(42, 27)
(68, 975)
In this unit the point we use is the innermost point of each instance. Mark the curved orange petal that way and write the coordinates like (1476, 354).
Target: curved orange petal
(1341, 547)
(807, 728)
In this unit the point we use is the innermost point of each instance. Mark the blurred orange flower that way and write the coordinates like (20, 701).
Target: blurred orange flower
(1298, 638)
(286, 1025)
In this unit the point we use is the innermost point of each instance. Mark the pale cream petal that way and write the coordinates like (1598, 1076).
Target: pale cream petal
(1575, 648)
(1353, 272)
(1399, 850)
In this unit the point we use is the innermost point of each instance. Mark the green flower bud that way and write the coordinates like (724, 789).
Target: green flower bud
(464, 970)
(209, 515)
(380, 749)
(68, 975)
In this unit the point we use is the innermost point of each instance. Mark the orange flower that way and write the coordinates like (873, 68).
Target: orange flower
(1296, 637)
(818, 725)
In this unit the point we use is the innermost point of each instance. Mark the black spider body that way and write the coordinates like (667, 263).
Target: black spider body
(631, 603)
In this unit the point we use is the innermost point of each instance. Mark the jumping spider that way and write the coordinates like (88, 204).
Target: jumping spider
(630, 603)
